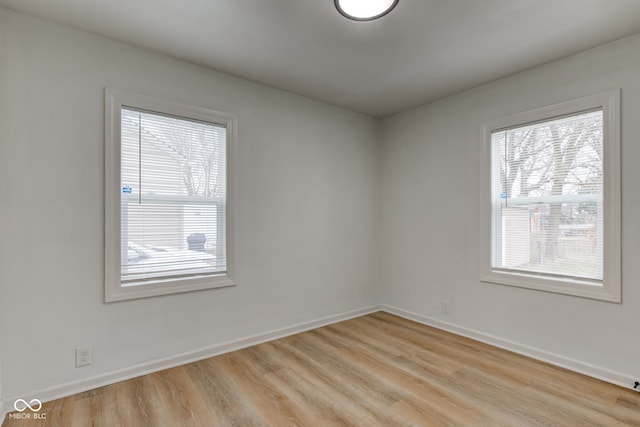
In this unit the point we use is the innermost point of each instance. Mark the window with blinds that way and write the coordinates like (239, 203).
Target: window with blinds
(167, 227)
(547, 199)
(550, 198)
(173, 214)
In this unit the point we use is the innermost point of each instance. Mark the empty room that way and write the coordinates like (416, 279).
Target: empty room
(319, 213)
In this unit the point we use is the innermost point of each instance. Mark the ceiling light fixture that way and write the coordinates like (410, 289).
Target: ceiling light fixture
(365, 10)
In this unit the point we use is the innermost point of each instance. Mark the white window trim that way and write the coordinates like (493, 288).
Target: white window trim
(610, 288)
(113, 289)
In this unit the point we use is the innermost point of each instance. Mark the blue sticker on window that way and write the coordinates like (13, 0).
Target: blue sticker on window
(127, 190)
(502, 196)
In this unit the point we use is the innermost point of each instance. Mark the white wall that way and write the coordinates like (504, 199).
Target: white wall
(308, 196)
(430, 225)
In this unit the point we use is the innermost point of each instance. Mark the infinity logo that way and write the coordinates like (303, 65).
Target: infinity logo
(37, 405)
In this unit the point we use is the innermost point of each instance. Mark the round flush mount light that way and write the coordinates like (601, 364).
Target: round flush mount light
(365, 10)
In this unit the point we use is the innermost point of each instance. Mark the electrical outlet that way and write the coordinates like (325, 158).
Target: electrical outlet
(446, 306)
(83, 356)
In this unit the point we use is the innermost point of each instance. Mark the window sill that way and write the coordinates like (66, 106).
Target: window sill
(150, 288)
(575, 287)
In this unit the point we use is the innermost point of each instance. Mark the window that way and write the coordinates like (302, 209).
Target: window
(167, 197)
(551, 199)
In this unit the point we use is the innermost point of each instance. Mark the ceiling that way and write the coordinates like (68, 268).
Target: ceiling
(423, 50)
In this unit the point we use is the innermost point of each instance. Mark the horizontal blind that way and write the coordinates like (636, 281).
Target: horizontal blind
(547, 197)
(173, 198)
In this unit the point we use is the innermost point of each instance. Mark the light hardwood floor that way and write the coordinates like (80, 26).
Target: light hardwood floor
(376, 370)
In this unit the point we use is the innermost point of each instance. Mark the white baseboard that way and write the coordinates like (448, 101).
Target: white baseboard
(623, 380)
(78, 386)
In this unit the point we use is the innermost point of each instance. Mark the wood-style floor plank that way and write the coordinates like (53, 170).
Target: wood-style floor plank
(375, 370)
